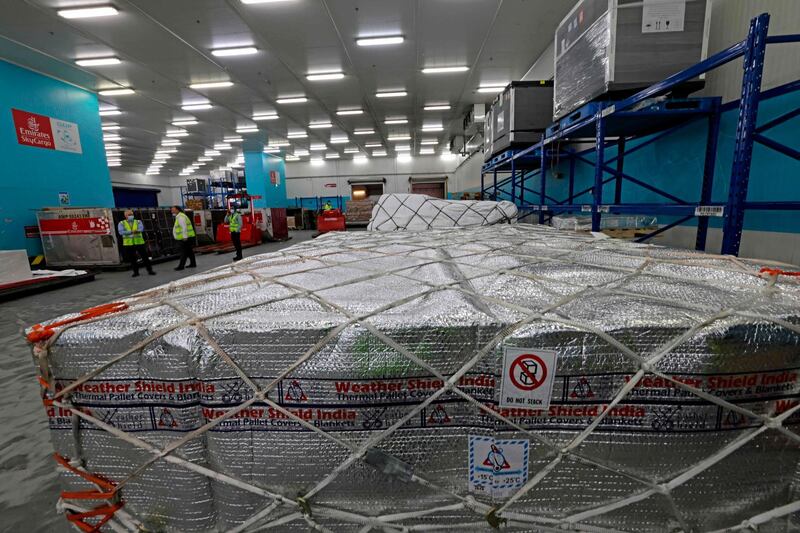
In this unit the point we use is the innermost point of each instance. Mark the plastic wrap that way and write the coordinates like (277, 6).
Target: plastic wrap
(571, 223)
(358, 381)
(415, 212)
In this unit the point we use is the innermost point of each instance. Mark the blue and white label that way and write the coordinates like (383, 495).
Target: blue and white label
(497, 467)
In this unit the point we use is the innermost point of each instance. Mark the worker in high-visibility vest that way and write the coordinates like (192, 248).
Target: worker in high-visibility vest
(234, 221)
(183, 232)
(132, 233)
(328, 206)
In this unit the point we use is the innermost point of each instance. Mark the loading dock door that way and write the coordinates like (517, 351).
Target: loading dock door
(431, 189)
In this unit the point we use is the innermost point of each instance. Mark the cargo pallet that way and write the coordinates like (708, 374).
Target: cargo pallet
(650, 114)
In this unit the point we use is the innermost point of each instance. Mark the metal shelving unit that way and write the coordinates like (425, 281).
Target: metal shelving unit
(649, 116)
(216, 193)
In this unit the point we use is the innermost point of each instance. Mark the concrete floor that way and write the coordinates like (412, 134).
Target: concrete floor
(28, 484)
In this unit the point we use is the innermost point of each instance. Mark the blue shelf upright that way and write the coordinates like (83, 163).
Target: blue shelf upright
(650, 115)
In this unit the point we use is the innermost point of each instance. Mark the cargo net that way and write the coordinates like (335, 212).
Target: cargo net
(206, 404)
(416, 212)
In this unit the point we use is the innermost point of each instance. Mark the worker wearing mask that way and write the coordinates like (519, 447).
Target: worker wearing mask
(183, 232)
(234, 221)
(328, 206)
(132, 233)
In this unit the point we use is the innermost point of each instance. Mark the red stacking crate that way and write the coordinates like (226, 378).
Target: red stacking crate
(331, 220)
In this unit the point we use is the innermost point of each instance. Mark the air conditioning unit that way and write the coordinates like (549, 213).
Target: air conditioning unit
(474, 119)
(457, 144)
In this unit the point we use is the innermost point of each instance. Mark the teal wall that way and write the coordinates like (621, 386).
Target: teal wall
(675, 164)
(32, 178)
(257, 166)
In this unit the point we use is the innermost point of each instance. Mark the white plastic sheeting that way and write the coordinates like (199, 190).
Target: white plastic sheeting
(415, 212)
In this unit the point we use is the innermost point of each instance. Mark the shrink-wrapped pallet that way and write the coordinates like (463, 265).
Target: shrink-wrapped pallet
(513, 376)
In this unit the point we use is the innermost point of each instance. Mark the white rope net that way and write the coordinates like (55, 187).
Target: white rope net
(353, 383)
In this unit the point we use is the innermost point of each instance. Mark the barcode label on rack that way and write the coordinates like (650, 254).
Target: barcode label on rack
(709, 210)
(603, 209)
(586, 208)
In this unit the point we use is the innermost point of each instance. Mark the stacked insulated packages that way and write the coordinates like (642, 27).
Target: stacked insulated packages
(617, 46)
(508, 375)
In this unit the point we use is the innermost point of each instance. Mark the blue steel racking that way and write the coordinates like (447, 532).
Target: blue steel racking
(216, 192)
(646, 113)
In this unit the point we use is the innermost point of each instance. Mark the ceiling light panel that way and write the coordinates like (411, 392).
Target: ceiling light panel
(88, 12)
(211, 85)
(324, 76)
(391, 94)
(196, 107)
(445, 70)
(437, 107)
(292, 100)
(116, 92)
(380, 41)
(364, 132)
(97, 61)
(343, 112)
(238, 51)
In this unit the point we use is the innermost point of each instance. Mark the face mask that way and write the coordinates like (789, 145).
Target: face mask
(130, 218)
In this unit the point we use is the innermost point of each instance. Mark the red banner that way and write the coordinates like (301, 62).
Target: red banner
(274, 177)
(33, 129)
(330, 185)
(75, 226)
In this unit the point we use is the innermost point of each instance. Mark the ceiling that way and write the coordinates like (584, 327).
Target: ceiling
(164, 46)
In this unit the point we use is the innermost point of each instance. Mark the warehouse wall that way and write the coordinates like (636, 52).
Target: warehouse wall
(303, 179)
(169, 187)
(33, 177)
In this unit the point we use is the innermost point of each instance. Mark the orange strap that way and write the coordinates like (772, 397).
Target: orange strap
(39, 332)
(778, 272)
(107, 491)
(106, 511)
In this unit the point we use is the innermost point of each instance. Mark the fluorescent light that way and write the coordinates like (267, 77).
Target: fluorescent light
(349, 112)
(239, 51)
(319, 125)
(300, 151)
(110, 127)
(339, 140)
(364, 132)
(232, 139)
(111, 137)
(247, 129)
(170, 142)
(211, 85)
(212, 152)
(332, 156)
(222, 146)
(390, 121)
(196, 107)
(291, 158)
(444, 70)
(292, 100)
(115, 163)
(175, 134)
(191, 122)
(353, 150)
(88, 12)
(402, 148)
(97, 61)
(204, 159)
(270, 116)
(317, 147)
(426, 151)
(109, 112)
(323, 76)
(379, 153)
(399, 137)
(112, 147)
(433, 127)
(360, 160)
(156, 157)
(437, 107)
(167, 151)
(373, 145)
(404, 157)
(429, 141)
(391, 94)
(262, 1)
(297, 135)
(271, 149)
(380, 41)
(317, 161)
(491, 88)
(116, 92)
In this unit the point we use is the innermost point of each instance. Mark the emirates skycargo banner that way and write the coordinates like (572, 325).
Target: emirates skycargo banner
(46, 132)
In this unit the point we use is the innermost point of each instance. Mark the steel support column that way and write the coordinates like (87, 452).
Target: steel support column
(620, 167)
(597, 190)
(544, 183)
(745, 127)
(708, 174)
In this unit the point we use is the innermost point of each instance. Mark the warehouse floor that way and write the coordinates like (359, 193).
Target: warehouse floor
(28, 486)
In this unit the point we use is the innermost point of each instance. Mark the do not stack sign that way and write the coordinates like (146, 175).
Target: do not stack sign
(527, 377)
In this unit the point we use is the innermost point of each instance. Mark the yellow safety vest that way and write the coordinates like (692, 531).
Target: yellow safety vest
(179, 231)
(131, 239)
(235, 222)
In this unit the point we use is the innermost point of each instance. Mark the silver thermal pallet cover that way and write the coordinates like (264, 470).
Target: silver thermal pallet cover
(456, 379)
(606, 46)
